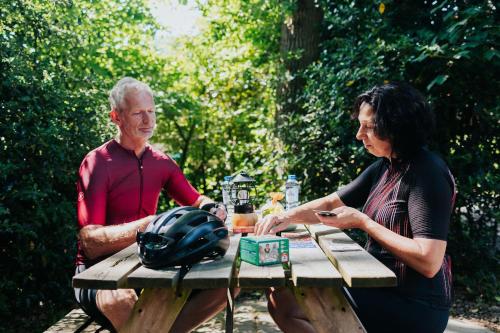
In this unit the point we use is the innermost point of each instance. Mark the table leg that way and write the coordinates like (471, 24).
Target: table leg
(156, 310)
(230, 311)
(328, 310)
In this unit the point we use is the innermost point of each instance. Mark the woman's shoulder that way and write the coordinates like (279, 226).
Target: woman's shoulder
(431, 166)
(429, 160)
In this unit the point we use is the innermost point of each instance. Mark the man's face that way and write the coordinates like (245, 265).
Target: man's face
(366, 133)
(137, 120)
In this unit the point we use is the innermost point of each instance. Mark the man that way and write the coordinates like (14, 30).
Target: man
(118, 189)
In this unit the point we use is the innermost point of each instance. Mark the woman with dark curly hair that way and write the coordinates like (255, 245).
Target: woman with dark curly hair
(407, 197)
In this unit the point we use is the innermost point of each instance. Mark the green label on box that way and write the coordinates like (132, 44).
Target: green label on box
(264, 250)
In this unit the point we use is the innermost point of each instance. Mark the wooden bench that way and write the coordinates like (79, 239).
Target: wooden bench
(76, 321)
(315, 275)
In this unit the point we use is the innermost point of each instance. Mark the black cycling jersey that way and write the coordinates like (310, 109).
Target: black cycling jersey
(414, 199)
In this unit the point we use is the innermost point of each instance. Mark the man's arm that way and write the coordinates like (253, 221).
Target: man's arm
(97, 240)
(202, 201)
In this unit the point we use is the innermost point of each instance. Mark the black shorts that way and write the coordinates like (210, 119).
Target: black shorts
(86, 298)
(386, 310)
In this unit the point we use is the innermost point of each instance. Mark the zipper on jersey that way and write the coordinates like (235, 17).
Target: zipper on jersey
(139, 160)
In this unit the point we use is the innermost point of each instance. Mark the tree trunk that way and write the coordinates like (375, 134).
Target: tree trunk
(299, 47)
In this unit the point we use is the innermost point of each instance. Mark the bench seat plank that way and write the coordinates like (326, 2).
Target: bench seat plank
(111, 273)
(309, 265)
(72, 322)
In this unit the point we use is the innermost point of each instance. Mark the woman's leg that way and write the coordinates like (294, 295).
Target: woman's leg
(286, 312)
(385, 310)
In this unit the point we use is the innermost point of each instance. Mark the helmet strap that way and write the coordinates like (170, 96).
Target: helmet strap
(182, 272)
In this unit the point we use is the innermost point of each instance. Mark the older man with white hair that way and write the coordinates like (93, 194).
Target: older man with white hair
(118, 189)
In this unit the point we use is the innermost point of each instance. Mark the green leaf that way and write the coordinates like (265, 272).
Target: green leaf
(438, 80)
(490, 54)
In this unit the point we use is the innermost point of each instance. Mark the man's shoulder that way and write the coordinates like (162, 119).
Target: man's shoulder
(101, 153)
(158, 155)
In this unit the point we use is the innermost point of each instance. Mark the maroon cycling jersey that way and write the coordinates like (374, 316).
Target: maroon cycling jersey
(115, 186)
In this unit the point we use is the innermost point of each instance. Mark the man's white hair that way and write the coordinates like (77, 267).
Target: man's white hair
(122, 88)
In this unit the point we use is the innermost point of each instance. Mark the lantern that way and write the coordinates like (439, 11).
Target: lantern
(242, 193)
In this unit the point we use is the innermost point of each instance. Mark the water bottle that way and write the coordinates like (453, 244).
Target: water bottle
(292, 187)
(226, 184)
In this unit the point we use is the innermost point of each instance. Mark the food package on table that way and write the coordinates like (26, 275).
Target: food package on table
(264, 250)
(273, 206)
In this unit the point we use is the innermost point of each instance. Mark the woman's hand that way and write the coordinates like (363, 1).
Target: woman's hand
(270, 224)
(346, 218)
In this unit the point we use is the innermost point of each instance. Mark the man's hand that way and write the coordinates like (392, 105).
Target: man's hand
(270, 224)
(210, 206)
(220, 211)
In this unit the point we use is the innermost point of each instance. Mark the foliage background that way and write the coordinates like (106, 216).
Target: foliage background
(216, 102)
(448, 50)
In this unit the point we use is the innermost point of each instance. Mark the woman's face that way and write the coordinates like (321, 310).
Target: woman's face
(366, 133)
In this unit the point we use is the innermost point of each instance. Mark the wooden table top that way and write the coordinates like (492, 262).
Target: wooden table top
(330, 259)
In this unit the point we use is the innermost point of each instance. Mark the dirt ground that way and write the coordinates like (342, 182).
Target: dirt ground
(487, 315)
(251, 315)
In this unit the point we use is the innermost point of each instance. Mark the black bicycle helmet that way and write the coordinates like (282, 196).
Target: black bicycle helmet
(182, 236)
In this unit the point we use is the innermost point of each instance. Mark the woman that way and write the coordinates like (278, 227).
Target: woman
(407, 197)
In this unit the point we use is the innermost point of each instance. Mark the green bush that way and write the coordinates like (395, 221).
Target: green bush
(56, 66)
(447, 50)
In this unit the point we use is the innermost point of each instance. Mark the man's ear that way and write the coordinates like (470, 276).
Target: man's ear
(115, 116)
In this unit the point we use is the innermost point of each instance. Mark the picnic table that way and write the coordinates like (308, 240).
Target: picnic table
(319, 266)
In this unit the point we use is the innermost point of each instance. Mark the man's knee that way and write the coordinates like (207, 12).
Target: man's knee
(116, 301)
(218, 297)
(282, 304)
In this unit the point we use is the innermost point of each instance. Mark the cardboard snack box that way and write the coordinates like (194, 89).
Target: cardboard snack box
(264, 250)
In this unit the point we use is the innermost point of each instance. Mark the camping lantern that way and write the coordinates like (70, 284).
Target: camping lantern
(242, 193)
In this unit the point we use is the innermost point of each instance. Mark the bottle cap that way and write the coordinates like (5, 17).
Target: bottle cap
(292, 177)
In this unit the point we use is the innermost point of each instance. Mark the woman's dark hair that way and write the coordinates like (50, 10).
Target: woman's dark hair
(401, 115)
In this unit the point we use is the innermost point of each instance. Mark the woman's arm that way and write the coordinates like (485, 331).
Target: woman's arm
(422, 254)
(97, 240)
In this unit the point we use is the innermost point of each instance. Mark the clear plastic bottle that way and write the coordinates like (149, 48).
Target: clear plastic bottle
(292, 187)
(226, 184)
